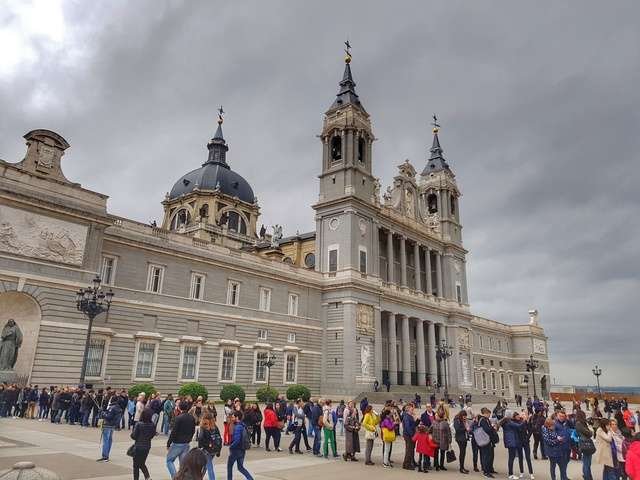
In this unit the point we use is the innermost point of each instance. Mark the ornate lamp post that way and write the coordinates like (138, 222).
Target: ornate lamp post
(525, 380)
(532, 365)
(92, 301)
(270, 363)
(597, 372)
(443, 352)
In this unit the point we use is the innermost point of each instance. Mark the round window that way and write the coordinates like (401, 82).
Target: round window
(310, 260)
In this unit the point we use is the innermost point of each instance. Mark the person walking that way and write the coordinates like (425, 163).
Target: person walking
(298, 426)
(461, 429)
(585, 444)
(240, 443)
(142, 434)
(441, 436)
(370, 425)
(110, 419)
(272, 428)
(352, 435)
(210, 441)
(408, 431)
(328, 430)
(180, 438)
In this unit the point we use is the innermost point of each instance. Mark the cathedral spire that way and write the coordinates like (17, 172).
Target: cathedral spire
(436, 161)
(347, 93)
(217, 145)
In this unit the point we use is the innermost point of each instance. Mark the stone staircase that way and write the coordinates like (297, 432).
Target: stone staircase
(407, 393)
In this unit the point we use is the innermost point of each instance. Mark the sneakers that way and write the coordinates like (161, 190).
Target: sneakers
(513, 477)
(532, 477)
(386, 465)
(102, 460)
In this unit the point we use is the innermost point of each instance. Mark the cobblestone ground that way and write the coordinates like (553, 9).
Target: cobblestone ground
(71, 451)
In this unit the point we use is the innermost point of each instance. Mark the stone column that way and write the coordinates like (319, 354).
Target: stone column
(442, 329)
(427, 267)
(431, 343)
(416, 261)
(443, 204)
(393, 354)
(390, 260)
(403, 261)
(406, 351)
(439, 273)
(377, 324)
(375, 247)
(421, 367)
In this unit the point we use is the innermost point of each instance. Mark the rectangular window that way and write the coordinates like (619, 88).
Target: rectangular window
(95, 357)
(265, 299)
(263, 334)
(333, 260)
(363, 260)
(146, 357)
(108, 270)
(291, 338)
(189, 362)
(293, 304)
(459, 292)
(291, 368)
(233, 293)
(227, 370)
(502, 381)
(484, 380)
(197, 287)
(261, 366)
(494, 384)
(154, 279)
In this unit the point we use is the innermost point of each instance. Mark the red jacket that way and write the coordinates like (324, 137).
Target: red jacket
(632, 462)
(424, 444)
(270, 419)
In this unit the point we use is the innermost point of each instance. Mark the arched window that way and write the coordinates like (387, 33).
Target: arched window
(236, 223)
(204, 210)
(432, 203)
(361, 145)
(336, 148)
(181, 219)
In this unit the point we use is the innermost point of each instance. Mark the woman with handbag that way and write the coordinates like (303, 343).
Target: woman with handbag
(272, 428)
(352, 436)
(370, 424)
(388, 428)
(462, 437)
(585, 444)
(143, 431)
(442, 436)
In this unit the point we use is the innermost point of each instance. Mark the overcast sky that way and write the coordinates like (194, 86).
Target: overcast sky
(539, 104)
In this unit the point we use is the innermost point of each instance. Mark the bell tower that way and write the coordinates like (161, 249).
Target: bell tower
(346, 144)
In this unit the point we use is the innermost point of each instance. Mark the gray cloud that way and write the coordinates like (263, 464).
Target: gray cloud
(539, 105)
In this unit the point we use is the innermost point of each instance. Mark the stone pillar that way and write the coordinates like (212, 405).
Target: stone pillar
(416, 261)
(403, 261)
(442, 329)
(377, 324)
(390, 259)
(406, 351)
(393, 354)
(439, 273)
(443, 204)
(421, 367)
(431, 345)
(427, 267)
(375, 254)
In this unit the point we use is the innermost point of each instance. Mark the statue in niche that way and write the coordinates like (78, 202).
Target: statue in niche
(365, 360)
(276, 236)
(10, 343)
(408, 203)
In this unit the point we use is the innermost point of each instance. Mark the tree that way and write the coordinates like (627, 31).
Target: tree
(147, 388)
(230, 392)
(194, 389)
(298, 391)
(267, 394)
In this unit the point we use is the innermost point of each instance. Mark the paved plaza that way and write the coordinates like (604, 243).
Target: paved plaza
(71, 451)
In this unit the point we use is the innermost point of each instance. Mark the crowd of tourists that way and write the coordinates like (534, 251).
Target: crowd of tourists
(608, 436)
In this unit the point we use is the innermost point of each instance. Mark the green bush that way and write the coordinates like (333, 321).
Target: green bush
(266, 394)
(230, 392)
(298, 391)
(147, 388)
(194, 389)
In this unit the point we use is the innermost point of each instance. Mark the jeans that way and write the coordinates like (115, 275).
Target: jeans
(85, 418)
(165, 424)
(562, 463)
(272, 432)
(367, 450)
(176, 450)
(513, 452)
(386, 452)
(237, 456)
(316, 440)
(310, 429)
(107, 440)
(537, 440)
(586, 466)
(210, 471)
(340, 426)
(409, 459)
(485, 460)
(59, 415)
(44, 412)
(609, 473)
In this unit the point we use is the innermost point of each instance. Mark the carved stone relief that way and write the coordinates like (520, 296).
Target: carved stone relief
(364, 319)
(539, 346)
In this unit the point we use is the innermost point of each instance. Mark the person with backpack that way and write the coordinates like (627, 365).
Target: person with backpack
(240, 443)
(210, 441)
(486, 438)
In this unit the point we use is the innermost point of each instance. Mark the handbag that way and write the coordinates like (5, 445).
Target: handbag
(131, 450)
(586, 446)
(388, 436)
(481, 437)
(280, 425)
(451, 456)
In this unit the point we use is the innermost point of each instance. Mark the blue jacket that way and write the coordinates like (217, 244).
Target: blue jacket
(513, 434)
(316, 413)
(564, 430)
(426, 420)
(236, 442)
(552, 446)
(408, 426)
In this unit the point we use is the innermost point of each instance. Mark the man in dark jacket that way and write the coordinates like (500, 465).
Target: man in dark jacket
(316, 413)
(408, 431)
(563, 430)
(110, 422)
(237, 448)
(180, 437)
(486, 451)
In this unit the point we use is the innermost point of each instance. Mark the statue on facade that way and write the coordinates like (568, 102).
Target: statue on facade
(277, 236)
(365, 360)
(10, 343)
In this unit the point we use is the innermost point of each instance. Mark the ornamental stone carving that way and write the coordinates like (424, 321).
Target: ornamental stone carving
(364, 319)
(539, 346)
(433, 222)
(464, 339)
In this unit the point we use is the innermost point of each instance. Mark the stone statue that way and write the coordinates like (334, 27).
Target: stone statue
(277, 236)
(11, 341)
(365, 357)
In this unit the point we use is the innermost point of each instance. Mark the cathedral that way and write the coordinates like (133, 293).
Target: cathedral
(378, 292)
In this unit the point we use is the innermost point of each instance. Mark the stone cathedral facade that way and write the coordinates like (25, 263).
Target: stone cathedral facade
(378, 291)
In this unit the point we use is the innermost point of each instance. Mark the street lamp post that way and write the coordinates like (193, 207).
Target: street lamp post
(92, 301)
(270, 363)
(597, 372)
(526, 382)
(532, 365)
(443, 352)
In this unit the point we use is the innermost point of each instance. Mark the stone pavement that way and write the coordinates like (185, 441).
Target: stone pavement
(71, 451)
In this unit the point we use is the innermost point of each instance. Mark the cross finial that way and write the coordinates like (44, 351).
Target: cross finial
(220, 113)
(347, 50)
(436, 125)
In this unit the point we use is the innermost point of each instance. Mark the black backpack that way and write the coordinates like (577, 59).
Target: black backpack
(246, 438)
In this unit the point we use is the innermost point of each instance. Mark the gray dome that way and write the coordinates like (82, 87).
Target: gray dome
(211, 176)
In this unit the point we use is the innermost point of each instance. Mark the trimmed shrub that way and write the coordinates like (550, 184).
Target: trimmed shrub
(194, 389)
(147, 388)
(230, 392)
(266, 394)
(298, 391)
